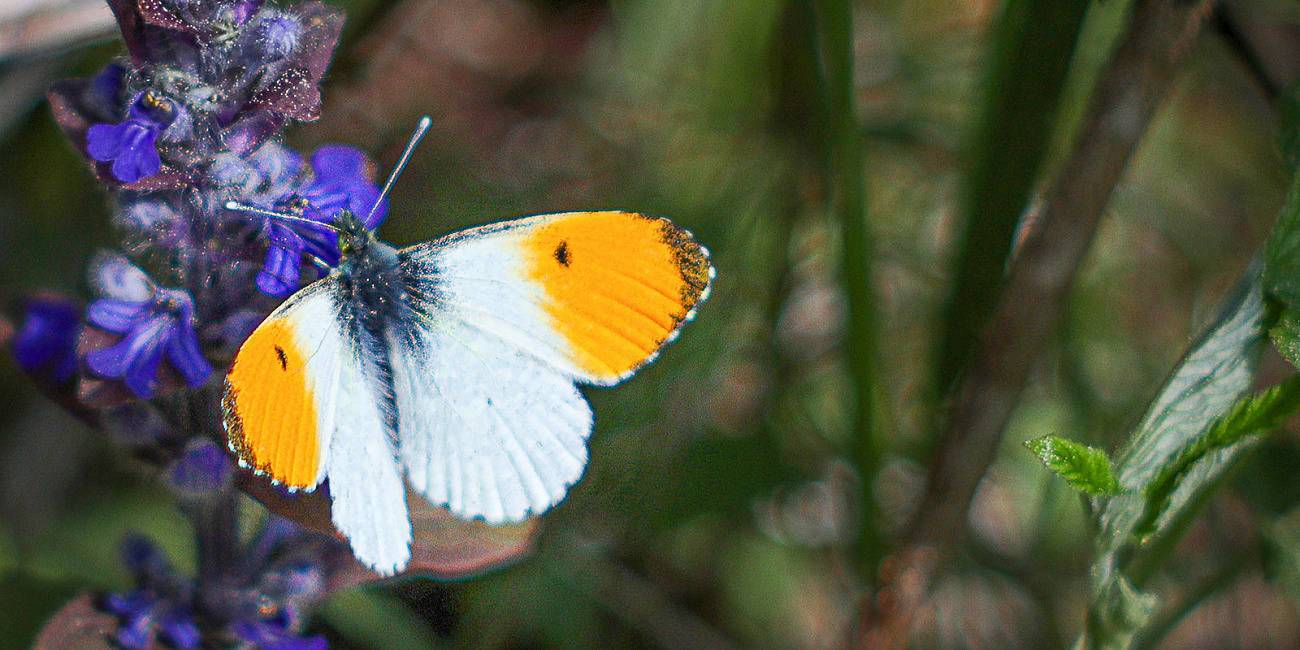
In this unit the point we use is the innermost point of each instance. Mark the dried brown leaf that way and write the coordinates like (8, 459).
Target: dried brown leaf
(77, 626)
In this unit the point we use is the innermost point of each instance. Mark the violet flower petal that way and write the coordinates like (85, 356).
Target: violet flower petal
(104, 141)
(202, 469)
(138, 157)
(115, 277)
(180, 631)
(136, 633)
(116, 316)
(47, 340)
(124, 359)
(127, 605)
(334, 161)
(273, 286)
(141, 375)
(183, 351)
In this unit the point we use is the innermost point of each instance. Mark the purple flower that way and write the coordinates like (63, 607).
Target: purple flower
(145, 616)
(202, 469)
(279, 34)
(269, 635)
(339, 183)
(342, 182)
(159, 607)
(152, 321)
(291, 87)
(264, 178)
(130, 146)
(47, 340)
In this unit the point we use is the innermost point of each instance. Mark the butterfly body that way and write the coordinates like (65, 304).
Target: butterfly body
(453, 365)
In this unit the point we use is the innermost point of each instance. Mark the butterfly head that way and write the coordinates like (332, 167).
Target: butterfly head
(354, 237)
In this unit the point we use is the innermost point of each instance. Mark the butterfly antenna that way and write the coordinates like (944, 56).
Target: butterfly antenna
(240, 207)
(421, 128)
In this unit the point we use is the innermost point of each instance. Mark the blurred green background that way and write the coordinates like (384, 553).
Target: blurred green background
(722, 504)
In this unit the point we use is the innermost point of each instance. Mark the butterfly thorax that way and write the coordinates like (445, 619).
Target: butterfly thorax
(371, 276)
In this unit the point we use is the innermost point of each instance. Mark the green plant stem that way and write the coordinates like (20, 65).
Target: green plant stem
(844, 177)
(1033, 45)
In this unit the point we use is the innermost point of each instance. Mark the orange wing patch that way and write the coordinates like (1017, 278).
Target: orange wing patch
(620, 285)
(269, 410)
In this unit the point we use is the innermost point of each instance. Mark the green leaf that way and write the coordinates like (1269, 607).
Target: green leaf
(1288, 107)
(1251, 415)
(1282, 252)
(1198, 409)
(1286, 336)
(1086, 469)
(1215, 373)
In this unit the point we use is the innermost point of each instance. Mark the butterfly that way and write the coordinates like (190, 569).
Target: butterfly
(454, 365)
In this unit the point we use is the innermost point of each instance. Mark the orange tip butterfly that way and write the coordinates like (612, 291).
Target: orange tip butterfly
(453, 365)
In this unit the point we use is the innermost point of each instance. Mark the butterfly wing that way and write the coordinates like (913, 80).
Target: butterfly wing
(302, 404)
(507, 318)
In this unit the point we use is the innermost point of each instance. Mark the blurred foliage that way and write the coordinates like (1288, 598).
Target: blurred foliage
(724, 498)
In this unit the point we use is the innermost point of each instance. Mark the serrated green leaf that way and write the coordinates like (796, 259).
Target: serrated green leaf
(1086, 469)
(1251, 415)
(1286, 336)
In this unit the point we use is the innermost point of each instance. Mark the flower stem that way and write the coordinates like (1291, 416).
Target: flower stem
(844, 172)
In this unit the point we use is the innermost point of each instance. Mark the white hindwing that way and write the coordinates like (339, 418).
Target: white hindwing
(369, 497)
(491, 423)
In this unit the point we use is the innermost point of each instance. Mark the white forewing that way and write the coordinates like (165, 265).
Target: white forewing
(365, 483)
(480, 280)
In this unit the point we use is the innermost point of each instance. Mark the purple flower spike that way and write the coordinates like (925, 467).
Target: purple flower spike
(47, 340)
(159, 322)
(131, 145)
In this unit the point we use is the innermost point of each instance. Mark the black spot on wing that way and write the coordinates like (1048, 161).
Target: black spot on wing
(284, 361)
(562, 254)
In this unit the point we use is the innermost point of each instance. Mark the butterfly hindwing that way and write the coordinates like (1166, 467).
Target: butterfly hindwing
(487, 429)
(302, 405)
(507, 317)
